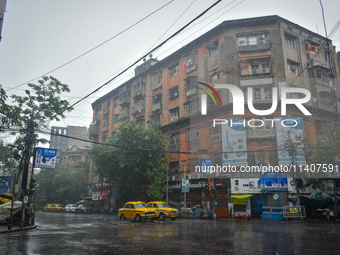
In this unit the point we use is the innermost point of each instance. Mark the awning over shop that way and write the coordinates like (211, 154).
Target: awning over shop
(241, 196)
(240, 199)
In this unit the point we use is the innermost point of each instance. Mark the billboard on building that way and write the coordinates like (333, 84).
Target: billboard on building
(234, 143)
(45, 157)
(273, 182)
(287, 135)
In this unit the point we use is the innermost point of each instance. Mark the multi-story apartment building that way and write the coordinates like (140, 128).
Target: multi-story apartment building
(259, 53)
(65, 140)
(70, 150)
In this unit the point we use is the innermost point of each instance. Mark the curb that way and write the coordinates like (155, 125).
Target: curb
(18, 229)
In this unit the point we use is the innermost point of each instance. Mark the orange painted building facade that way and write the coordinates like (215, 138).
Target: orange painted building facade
(261, 53)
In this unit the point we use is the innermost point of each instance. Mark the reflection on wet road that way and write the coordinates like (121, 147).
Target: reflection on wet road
(61, 233)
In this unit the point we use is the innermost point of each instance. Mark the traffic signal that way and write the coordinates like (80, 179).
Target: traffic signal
(33, 185)
(209, 184)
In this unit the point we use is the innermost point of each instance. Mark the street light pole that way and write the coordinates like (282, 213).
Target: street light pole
(167, 185)
(185, 194)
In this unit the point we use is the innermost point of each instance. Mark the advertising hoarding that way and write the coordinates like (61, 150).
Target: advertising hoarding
(292, 134)
(185, 185)
(45, 158)
(234, 142)
(5, 184)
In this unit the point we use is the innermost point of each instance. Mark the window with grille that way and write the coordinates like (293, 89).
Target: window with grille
(191, 107)
(174, 114)
(174, 139)
(214, 130)
(173, 93)
(174, 70)
(253, 39)
(193, 134)
(212, 49)
(214, 74)
(290, 41)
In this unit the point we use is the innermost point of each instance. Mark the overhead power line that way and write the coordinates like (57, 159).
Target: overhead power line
(162, 151)
(145, 55)
(126, 29)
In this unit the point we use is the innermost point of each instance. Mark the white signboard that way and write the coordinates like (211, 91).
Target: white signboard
(234, 141)
(287, 134)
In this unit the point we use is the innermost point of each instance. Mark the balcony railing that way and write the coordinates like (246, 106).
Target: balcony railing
(261, 133)
(257, 47)
(138, 94)
(94, 130)
(156, 107)
(191, 92)
(124, 100)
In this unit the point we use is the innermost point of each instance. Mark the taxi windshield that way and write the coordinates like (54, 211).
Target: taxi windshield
(161, 205)
(141, 205)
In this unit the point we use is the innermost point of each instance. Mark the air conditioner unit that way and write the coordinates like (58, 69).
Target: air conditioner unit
(293, 68)
(263, 36)
(255, 70)
(175, 170)
(265, 70)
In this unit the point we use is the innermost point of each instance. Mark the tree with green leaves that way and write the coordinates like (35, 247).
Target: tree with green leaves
(9, 115)
(324, 151)
(41, 104)
(64, 183)
(8, 160)
(135, 163)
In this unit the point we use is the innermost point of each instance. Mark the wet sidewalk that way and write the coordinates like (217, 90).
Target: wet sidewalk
(4, 229)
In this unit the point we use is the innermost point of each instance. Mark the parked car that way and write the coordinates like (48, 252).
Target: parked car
(54, 208)
(136, 210)
(163, 210)
(70, 208)
(83, 209)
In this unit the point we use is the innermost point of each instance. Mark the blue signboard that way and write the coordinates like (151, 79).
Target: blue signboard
(5, 184)
(45, 158)
(273, 182)
(206, 164)
(336, 170)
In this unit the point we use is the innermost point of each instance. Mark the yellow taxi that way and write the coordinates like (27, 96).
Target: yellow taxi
(136, 210)
(54, 208)
(163, 210)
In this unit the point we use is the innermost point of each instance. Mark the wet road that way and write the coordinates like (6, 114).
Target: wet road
(61, 233)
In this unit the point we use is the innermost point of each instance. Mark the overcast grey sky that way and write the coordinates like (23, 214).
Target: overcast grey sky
(40, 35)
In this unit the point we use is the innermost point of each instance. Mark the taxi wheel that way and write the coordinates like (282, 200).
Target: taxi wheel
(138, 218)
(152, 220)
(161, 217)
(173, 218)
(122, 217)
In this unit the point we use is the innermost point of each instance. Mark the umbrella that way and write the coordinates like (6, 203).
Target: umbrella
(337, 199)
(319, 195)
